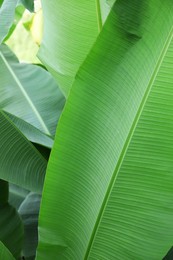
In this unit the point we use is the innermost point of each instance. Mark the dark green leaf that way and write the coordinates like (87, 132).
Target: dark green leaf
(29, 4)
(20, 161)
(11, 229)
(3, 192)
(29, 211)
(5, 253)
(169, 255)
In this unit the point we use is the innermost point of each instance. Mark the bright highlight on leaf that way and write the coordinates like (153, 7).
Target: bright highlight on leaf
(73, 28)
(112, 172)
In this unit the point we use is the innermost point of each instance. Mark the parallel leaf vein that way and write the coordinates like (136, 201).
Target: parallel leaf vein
(25, 94)
(127, 142)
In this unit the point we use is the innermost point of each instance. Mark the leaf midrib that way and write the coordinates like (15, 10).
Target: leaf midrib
(127, 142)
(31, 104)
(99, 16)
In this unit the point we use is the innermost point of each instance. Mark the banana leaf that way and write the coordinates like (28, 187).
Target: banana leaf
(32, 133)
(19, 10)
(20, 162)
(7, 13)
(29, 92)
(29, 4)
(73, 27)
(29, 210)
(10, 225)
(108, 188)
(16, 195)
(5, 253)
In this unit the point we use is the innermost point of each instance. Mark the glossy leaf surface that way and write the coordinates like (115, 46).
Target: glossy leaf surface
(111, 175)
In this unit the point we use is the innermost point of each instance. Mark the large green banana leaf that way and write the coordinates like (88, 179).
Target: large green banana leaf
(20, 161)
(7, 13)
(108, 189)
(29, 92)
(4, 252)
(73, 27)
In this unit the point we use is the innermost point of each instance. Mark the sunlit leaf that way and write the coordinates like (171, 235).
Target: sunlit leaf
(70, 30)
(18, 15)
(108, 188)
(7, 13)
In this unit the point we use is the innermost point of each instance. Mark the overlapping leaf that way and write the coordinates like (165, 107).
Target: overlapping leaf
(29, 211)
(20, 161)
(32, 133)
(7, 12)
(10, 225)
(17, 17)
(110, 173)
(73, 27)
(16, 195)
(29, 92)
(4, 252)
(29, 4)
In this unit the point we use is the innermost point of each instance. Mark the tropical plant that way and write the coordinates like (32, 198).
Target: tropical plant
(107, 191)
